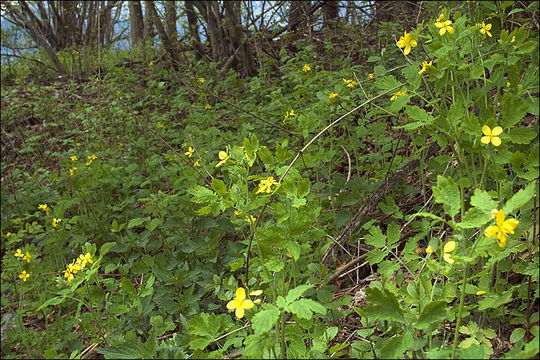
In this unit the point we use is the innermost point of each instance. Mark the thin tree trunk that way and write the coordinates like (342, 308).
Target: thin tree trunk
(136, 23)
(194, 29)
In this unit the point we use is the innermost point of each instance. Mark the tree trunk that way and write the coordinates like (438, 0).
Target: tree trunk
(168, 45)
(149, 32)
(170, 21)
(194, 29)
(31, 25)
(330, 10)
(297, 15)
(136, 23)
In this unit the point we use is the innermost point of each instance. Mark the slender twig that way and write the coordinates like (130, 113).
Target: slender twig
(349, 159)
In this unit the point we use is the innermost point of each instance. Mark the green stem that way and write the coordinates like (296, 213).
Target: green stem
(461, 303)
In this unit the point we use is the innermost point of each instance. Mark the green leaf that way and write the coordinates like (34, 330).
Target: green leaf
(137, 222)
(522, 135)
(202, 195)
(275, 264)
(129, 349)
(397, 346)
(128, 287)
(375, 237)
(266, 156)
(433, 312)
(303, 187)
(473, 218)
(118, 309)
(297, 292)
(265, 320)
(455, 113)
(471, 125)
(413, 78)
(483, 201)
(304, 308)
(393, 232)
(52, 301)
(384, 305)
(447, 192)
(517, 335)
(219, 187)
(152, 225)
(494, 301)
(256, 345)
(520, 198)
(375, 256)
(513, 109)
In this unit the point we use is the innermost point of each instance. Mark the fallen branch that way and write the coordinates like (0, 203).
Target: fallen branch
(369, 206)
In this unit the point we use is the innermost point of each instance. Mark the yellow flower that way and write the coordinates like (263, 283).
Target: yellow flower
(73, 158)
(398, 94)
(502, 228)
(90, 159)
(207, 106)
(27, 257)
(24, 275)
(223, 156)
(425, 64)
(72, 170)
(491, 135)
(371, 76)
(201, 80)
(236, 212)
(289, 115)
(150, 64)
(8, 234)
(55, 222)
(257, 301)
(255, 293)
(306, 68)
(44, 207)
(406, 41)
(444, 26)
(332, 96)
(240, 303)
(85, 259)
(508, 84)
(480, 292)
(441, 18)
(251, 219)
(190, 152)
(485, 29)
(19, 253)
(68, 275)
(350, 83)
(74, 267)
(266, 185)
(448, 248)
(429, 250)
(197, 163)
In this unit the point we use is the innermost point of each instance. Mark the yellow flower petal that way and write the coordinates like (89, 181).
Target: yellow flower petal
(491, 231)
(449, 246)
(255, 293)
(500, 218)
(509, 225)
(485, 140)
(497, 130)
(480, 292)
(247, 304)
(239, 312)
(496, 141)
(501, 239)
(240, 294)
(447, 258)
(486, 130)
(233, 304)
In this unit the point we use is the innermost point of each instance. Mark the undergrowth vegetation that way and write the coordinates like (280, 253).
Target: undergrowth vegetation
(172, 214)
